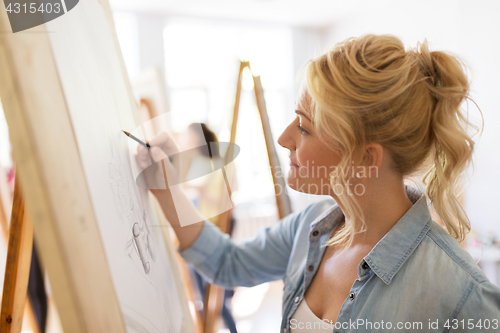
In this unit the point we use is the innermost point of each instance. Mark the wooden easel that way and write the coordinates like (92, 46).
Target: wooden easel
(54, 152)
(214, 295)
(17, 268)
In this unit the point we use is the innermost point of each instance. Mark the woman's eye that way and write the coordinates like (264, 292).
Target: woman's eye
(302, 130)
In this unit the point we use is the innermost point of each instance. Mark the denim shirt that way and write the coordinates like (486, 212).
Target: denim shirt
(416, 278)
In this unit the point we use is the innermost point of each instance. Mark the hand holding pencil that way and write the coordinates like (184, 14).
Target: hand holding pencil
(152, 157)
(158, 172)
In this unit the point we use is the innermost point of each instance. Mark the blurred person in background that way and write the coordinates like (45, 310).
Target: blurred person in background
(204, 193)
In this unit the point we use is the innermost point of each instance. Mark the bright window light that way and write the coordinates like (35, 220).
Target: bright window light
(202, 63)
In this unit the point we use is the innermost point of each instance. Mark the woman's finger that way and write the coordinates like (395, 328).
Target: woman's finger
(157, 154)
(166, 143)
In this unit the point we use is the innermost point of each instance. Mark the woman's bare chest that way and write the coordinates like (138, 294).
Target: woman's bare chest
(332, 283)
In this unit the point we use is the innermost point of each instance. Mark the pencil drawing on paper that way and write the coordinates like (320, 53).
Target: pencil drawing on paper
(141, 241)
(141, 244)
(119, 186)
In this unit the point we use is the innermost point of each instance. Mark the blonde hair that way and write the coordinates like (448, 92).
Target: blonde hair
(370, 89)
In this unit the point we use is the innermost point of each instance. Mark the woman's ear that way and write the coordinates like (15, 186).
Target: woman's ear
(373, 157)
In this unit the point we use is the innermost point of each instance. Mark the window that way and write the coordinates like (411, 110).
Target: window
(202, 62)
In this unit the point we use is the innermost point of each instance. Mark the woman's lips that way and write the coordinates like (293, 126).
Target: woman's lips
(293, 165)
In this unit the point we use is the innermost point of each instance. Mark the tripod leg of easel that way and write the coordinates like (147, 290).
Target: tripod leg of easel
(5, 205)
(215, 299)
(282, 200)
(17, 267)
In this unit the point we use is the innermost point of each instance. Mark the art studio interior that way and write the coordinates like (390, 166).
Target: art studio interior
(101, 232)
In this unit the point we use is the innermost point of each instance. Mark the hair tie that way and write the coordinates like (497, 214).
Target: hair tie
(438, 84)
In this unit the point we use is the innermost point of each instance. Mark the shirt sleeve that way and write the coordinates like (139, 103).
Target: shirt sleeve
(229, 264)
(482, 305)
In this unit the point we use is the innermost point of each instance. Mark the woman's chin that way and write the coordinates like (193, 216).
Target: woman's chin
(304, 186)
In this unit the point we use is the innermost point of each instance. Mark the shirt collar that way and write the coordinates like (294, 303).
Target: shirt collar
(390, 253)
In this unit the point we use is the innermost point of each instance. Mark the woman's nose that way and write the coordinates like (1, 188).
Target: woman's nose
(286, 139)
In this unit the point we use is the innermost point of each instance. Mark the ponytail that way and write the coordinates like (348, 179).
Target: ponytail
(452, 145)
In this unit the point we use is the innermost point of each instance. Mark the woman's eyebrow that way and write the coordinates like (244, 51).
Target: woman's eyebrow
(303, 114)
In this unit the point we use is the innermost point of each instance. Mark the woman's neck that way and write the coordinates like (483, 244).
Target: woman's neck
(382, 207)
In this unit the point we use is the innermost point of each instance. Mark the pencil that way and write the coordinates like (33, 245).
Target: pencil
(136, 139)
(171, 159)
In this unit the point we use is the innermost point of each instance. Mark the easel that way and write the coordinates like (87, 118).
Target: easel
(214, 295)
(17, 268)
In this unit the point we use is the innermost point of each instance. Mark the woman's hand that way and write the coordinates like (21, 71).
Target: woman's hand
(161, 163)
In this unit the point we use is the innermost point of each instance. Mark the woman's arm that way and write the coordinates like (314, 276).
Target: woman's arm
(260, 259)
(186, 235)
(214, 254)
(162, 176)
(223, 261)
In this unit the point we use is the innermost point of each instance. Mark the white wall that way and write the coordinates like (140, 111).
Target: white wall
(472, 31)
(150, 33)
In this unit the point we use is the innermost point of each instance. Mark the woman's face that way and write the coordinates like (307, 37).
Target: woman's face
(311, 160)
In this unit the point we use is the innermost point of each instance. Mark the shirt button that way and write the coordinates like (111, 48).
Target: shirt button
(311, 268)
(297, 299)
(365, 265)
(315, 233)
(351, 296)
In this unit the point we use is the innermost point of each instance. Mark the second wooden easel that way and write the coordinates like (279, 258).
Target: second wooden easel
(214, 295)
(17, 269)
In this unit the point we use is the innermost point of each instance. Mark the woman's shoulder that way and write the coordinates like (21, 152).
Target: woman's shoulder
(460, 273)
(442, 279)
(452, 254)
(441, 266)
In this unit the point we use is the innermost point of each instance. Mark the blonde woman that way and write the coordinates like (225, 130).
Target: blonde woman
(369, 258)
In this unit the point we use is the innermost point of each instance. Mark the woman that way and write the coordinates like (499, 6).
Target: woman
(370, 115)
